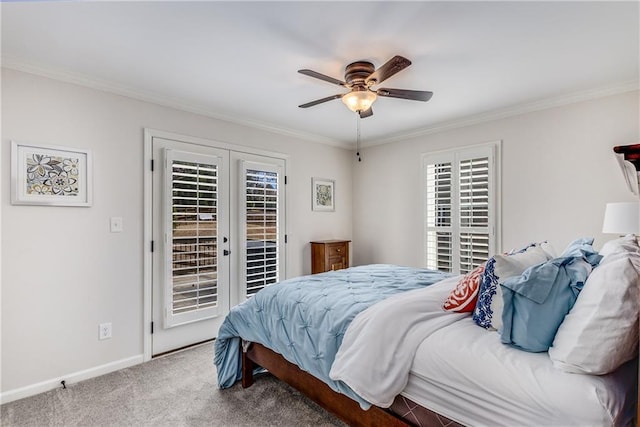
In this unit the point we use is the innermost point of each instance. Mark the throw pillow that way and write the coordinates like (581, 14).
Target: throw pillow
(464, 296)
(548, 249)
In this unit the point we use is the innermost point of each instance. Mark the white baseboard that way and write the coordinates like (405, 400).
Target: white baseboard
(41, 387)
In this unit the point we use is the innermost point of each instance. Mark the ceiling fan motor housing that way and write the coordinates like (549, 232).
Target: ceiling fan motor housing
(356, 72)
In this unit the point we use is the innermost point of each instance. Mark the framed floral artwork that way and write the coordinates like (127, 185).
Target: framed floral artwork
(50, 175)
(323, 194)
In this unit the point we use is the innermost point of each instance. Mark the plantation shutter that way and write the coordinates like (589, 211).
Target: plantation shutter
(191, 253)
(262, 229)
(460, 214)
(439, 215)
(474, 212)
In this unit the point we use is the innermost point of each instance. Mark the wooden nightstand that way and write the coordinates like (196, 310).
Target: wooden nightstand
(327, 255)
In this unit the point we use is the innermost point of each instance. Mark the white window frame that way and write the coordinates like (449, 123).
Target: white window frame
(491, 150)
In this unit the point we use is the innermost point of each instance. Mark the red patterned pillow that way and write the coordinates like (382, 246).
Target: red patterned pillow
(464, 296)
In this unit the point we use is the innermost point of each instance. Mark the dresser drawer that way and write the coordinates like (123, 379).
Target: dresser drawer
(337, 263)
(337, 250)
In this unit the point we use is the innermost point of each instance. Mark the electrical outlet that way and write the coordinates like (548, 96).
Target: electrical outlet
(105, 331)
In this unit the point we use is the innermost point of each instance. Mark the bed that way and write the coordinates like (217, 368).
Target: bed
(373, 345)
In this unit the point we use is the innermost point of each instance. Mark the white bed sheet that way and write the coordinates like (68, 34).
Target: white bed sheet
(492, 384)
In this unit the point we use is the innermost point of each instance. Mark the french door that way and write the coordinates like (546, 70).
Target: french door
(218, 233)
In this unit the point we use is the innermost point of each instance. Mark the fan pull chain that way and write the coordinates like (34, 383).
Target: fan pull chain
(358, 138)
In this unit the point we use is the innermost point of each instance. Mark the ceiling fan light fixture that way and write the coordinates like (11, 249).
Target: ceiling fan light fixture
(359, 100)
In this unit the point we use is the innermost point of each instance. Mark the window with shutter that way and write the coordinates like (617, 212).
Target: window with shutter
(263, 217)
(438, 215)
(192, 235)
(261, 199)
(474, 212)
(460, 211)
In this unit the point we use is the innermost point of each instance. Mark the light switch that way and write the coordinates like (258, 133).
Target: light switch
(116, 224)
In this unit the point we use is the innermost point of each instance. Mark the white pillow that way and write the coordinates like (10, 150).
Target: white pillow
(548, 249)
(600, 332)
(626, 244)
(516, 264)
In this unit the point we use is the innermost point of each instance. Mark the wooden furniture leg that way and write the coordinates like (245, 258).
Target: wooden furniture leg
(247, 369)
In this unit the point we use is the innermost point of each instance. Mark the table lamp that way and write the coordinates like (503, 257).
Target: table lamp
(622, 218)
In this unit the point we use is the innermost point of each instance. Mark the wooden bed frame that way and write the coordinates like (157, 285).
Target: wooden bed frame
(336, 403)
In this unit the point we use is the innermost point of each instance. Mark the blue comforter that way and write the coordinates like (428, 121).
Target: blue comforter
(304, 319)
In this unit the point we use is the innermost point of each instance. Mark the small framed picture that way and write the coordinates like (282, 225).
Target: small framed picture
(323, 194)
(50, 175)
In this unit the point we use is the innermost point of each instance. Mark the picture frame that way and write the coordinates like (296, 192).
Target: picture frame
(50, 175)
(322, 194)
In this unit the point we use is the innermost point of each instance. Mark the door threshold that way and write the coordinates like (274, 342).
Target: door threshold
(186, 347)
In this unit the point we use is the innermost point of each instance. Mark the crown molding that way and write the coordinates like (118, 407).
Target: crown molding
(154, 98)
(516, 110)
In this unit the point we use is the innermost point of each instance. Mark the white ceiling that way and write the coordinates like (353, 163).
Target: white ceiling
(239, 60)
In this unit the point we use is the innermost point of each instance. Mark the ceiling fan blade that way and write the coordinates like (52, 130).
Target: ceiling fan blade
(413, 95)
(366, 113)
(319, 101)
(388, 69)
(317, 75)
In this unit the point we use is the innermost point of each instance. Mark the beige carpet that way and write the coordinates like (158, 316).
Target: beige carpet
(175, 390)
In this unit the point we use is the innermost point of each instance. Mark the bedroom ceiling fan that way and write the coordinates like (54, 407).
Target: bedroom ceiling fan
(360, 77)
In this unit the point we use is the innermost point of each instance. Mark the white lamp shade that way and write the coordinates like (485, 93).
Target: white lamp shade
(622, 218)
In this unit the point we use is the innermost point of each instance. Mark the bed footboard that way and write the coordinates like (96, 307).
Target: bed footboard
(338, 404)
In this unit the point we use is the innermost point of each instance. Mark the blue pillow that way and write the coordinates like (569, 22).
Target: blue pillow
(536, 302)
(582, 247)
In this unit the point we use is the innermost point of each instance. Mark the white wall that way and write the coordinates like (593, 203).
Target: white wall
(558, 172)
(64, 272)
